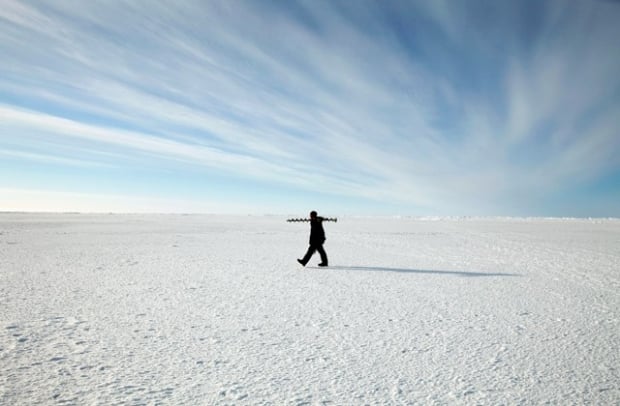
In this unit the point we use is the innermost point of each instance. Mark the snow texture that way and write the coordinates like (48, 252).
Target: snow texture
(200, 309)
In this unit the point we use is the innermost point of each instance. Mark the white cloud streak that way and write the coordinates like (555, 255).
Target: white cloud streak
(40, 200)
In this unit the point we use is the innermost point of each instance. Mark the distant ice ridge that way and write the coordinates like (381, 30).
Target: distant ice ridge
(487, 218)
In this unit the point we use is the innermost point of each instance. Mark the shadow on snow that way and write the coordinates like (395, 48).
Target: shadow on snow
(419, 271)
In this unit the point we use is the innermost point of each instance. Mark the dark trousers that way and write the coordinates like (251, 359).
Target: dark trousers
(311, 249)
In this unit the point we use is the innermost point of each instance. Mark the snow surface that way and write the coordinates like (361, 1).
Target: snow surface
(200, 309)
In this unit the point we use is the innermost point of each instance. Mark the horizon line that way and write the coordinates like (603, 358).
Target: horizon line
(378, 216)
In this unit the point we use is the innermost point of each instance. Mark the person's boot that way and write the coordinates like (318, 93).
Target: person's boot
(323, 264)
(301, 262)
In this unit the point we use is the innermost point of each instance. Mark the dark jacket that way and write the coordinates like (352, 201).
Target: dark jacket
(317, 234)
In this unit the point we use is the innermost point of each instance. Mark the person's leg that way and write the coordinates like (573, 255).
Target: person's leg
(323, 254)
(308, 255)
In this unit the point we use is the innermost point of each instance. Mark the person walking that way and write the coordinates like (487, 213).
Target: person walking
(317, 238)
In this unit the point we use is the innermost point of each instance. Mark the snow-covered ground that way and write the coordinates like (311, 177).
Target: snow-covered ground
(199, 309)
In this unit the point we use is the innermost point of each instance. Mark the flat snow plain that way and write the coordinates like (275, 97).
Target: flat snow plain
(201, 309)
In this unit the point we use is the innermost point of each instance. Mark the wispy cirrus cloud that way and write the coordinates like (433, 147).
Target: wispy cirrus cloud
(440, 107)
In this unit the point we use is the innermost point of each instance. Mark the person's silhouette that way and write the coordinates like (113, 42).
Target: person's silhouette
(317, 238)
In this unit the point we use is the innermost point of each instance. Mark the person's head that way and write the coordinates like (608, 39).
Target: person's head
(313, 214)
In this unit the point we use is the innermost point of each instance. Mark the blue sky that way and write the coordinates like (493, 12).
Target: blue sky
(507, 108)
